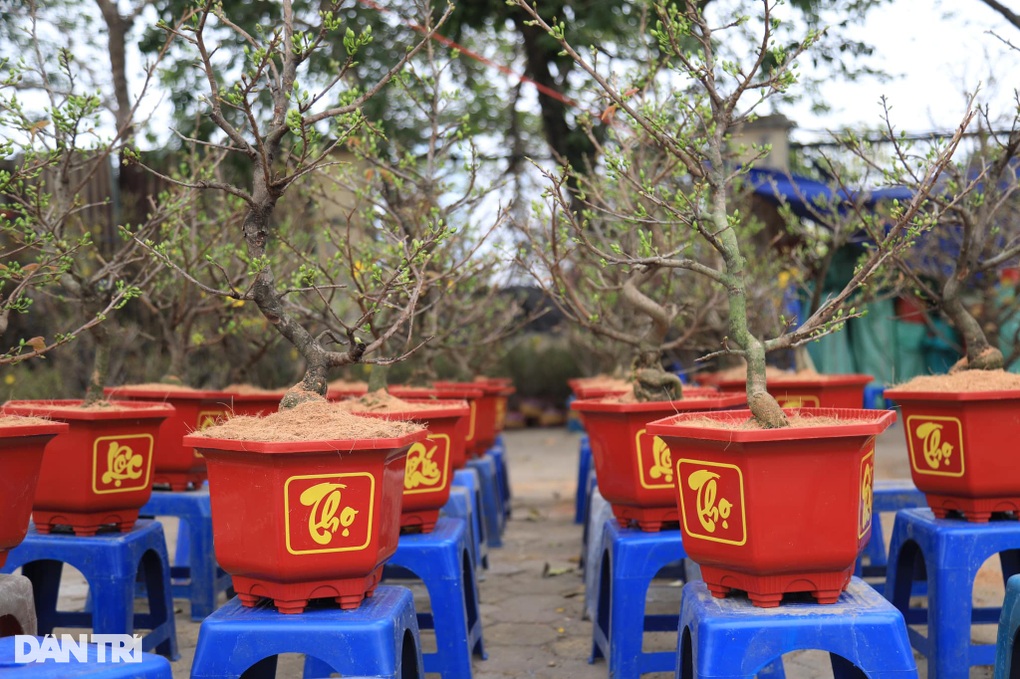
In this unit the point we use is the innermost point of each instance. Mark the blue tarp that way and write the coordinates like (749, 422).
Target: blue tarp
(810, 197)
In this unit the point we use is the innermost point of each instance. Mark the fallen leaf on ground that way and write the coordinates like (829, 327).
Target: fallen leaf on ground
(550, 571)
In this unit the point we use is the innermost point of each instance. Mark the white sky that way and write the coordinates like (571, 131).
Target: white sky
(935, 50)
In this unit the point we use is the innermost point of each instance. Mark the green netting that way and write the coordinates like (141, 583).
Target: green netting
(879, 345)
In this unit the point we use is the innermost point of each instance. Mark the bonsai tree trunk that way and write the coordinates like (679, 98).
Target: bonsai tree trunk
(763, 406)
(651, 382)
(100, 365)
(318, 360)
(980, 354)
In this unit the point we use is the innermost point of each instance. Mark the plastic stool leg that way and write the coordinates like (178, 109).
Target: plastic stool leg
(45, 578)
(183, 550)
(1006, 650)
(583, 467)
(116, 614)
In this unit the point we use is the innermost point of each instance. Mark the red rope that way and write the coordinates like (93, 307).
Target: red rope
(443, 40)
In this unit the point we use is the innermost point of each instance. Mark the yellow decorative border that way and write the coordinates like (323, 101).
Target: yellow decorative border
(446, 470)
(641, 466)
(871, 512)
(286, 512)
(806, 400)
(143, 482)
(501, 404)
(683, 508)
(221, 413)
(471, 420)
(910, 444)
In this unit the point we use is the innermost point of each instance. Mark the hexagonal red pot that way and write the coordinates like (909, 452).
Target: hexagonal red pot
(956, 442)
(306, 520)
(21, 453)
(633, 466)
(177, 465)
(824, 391)
(256, 403)
(506, 390)
(490, 410)
(430, 463)
(339, 391)
(468, 392)
(771, 511)
(99, 471)
(589, 388)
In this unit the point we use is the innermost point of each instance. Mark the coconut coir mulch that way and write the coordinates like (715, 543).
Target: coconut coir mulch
(22, 421)
(252, 390)
(312, 421)
(964, 381)
(160, 386)
(796, 421)
(383, 402)
(630, 397)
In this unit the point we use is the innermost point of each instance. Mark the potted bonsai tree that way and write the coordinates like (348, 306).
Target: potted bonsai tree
(818, 228)
(633, 307)
(97, 471)
(328, 484)
(426, 172)
(955, 424)
(404, 182)
(732, 506)
(193, 325)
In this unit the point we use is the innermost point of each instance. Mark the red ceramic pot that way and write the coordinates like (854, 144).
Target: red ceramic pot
(634, 467)
(467, 392)
(771, 511)
(177, 465)
(590, 387)
(306, 520)
(341, 391)
(430, 463)
(99, 471)
(799, 391)
(256, 403)
(487, 412)
(506, 390)
(21, 454)
(958, 444)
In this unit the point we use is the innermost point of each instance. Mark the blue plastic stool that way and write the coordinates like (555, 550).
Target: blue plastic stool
(1007, 653)
(377, 639)
(498, 452)
(874, 397)
(459, 506)
(600, 511)
(591, 525)
(629, 560)
(440, 560)
(730, 638)
(492, 508)
(151, 666)
(195, 574)
(947, 553)
(110, 563)
(573, 420)
(469, 480)
(583, 472)
(888, 496)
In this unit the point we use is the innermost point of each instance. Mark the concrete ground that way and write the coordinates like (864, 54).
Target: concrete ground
(533, 595)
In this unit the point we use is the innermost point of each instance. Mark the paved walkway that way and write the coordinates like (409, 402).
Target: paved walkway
(532, 597)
